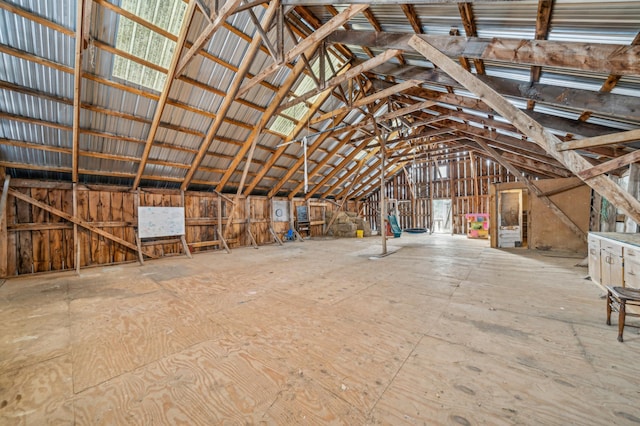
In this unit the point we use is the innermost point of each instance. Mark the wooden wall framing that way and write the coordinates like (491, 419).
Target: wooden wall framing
(40, 241)
(467, 184)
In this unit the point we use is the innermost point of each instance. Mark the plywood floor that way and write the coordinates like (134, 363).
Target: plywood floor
(444, 331)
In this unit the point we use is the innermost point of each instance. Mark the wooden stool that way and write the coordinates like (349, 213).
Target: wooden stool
(618, 298)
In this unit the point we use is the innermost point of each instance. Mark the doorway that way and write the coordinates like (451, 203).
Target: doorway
(510, 221)
(441, 212)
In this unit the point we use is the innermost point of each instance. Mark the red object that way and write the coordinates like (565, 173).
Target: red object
(389, 231)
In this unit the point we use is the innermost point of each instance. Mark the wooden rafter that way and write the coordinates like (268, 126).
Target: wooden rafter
(398, 88)
(258, 128)
(230, 96)
(311, 149)
(225, 11)
(410, 12)
(614, 105)
(604, 140)
(283, 147)
(570, 159)
(345, 161)
(469, 23)
(77, 86)
(341, 78)
(373, 180)
(164, 95)
(611, 82)
(377, 27)
(575, 55)
(611, 165)
(330, 155)
(543, 24)
(357, 169)
(305, 44)
(316, 170)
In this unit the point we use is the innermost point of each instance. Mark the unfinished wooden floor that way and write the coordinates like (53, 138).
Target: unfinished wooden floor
(444, 331)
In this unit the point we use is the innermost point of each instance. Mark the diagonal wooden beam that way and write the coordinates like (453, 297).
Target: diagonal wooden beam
(77, 221)
(323, 162)
(345, 161)
(225, 11)
(616, 163)
(316, 144)
(357, 169)
(317, 36)
(162, 102)
(257, 130)
(254, 47)
(393, 90)
(594, 57)
(613, 104)
(533, 189)
(302, 123)
(570, 159)
(615, 138)
(373, 181)
(339, 79)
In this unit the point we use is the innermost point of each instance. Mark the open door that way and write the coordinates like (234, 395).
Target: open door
(510, 224)
(441, 210)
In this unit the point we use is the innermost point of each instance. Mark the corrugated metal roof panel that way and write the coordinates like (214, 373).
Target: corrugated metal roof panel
(589, 21)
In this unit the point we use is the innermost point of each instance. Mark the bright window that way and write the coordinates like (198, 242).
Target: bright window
(140, 41)
(283, 125)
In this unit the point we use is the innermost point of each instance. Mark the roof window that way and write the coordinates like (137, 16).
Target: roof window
(283, 125)
(146, 44)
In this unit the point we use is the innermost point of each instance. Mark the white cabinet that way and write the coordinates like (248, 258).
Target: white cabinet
(610, 263)
(594, 259)
(614, 259)
(632, 267)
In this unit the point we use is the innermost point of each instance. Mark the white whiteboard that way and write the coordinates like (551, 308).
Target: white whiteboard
(160, 221)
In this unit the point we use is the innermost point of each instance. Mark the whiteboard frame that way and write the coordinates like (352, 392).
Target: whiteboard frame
(155, 222)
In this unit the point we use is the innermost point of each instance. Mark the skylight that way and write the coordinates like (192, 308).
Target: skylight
(283, 125)
(146, 44)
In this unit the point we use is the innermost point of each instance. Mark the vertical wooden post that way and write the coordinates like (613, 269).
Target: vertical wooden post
(596, 211)
(476, 193)
(632, 188)
(4, 239)
(452, 193)
(383, 202)
(76, 236)
(431, 174)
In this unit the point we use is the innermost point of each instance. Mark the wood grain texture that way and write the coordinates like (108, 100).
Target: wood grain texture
(443, 331)
(37, 395)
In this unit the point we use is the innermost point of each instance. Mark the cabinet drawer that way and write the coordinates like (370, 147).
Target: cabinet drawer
(632, 253)
(594, 242)
(632, 273)
(611, 247)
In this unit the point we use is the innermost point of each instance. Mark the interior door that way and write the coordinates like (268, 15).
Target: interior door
(510, 218)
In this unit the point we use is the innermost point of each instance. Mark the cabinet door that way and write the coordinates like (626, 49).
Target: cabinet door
(594, 260)
(611, 268)
(631, 271)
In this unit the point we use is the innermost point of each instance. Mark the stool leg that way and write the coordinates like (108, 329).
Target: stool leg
(621, 319)
(608, 308)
